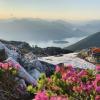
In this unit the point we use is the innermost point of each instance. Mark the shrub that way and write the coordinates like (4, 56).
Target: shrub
(66, 83)
(9, 86)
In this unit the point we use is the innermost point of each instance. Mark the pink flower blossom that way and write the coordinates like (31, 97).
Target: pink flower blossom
(49, 80)
(97, 81)
(98, 89)
(98, 76)
(97, 68)
(64, 76)
(17, 66)
(82, 73)
(57, 69)
(5, 66)
(75, 79)
(58, 98)
(10, 64)
(70, 66)
(97, 97)
(89, 87)
(41, 96)
(53, 98)
(69, 73)
(77, 89)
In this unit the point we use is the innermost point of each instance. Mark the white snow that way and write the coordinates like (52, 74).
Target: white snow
(67, 59)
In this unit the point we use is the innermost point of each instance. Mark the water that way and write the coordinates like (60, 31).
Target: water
(41, 43)
(51, 43)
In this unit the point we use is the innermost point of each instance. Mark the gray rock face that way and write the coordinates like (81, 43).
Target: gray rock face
(30, 66)
(30, 69)
(30, 57)
(35, 74)
(8, 52)
(31, 62)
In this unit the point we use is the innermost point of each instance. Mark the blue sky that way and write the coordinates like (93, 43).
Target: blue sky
(51, 9)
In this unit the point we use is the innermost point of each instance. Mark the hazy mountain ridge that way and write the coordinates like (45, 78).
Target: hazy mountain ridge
(90, 26)
(35, 31)
(38, 29)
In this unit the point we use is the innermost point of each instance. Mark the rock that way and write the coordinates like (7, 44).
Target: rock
(31, 62)
(3, 55)
(35, 74)
(30, 57)
(30, 67)
(12, 57)
(8, 52)
(23, 47)
(22, 73)
(21, 83)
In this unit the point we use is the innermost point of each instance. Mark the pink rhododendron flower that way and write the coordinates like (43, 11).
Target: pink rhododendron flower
(89, 87)
(98, 89)
(77, 89)
(1, 64)
(57, 69)
(5, 66)
(10, 64)
(64, 76)
(97, 80)
(53, 98)
(75, 79)
(83, 86)
(17, 66)
(82, 73)
(49, 80)
(97, 97)
(69, 66)
(41, 96)
(98, 76)
(58, 98)
(69, 73)
(97, 68)
(73, 82)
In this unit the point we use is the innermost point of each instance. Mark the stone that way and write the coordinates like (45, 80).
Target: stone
(35, 74)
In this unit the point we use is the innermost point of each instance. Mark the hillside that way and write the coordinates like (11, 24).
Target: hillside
(91, 41)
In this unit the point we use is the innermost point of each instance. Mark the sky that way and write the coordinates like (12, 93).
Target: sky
(50, 9)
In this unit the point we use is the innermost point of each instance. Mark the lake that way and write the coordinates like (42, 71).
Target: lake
(44, 44)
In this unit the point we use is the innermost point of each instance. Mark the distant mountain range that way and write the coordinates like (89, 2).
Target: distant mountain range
(90, 26)
(91, 41)
(38, 30)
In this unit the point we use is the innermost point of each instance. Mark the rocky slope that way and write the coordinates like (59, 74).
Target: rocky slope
(24, 47)
(28, 66)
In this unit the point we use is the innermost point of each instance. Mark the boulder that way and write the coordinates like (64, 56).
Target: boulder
(12, 57)
(35, 74)
(31, 62)
(22, 73)
(30, 67)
